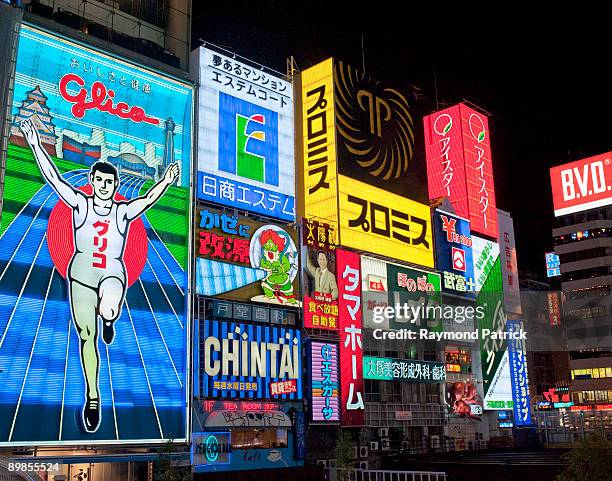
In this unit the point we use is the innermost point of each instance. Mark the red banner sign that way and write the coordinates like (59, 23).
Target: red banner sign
(351, 346)
(445, 164)
(458, 151)
(584, 184)
(320, 314)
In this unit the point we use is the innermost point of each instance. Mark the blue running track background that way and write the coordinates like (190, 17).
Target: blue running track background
(142, 373)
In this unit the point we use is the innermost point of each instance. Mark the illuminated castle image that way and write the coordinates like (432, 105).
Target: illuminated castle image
(84, 150)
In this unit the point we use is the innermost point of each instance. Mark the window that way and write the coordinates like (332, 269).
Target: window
(592, 373)
(372, 390)
(584, 255)
(259, 438)
(582, 235)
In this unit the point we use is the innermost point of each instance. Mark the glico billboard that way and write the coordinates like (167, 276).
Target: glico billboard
(94, 250)
(357, 174)
(581, 185)
(245, 136)
(459, 166)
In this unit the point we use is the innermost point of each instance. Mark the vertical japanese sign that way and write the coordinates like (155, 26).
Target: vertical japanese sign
(319, 170)
(245, 136)
(479, 171)
(351, 347)
(507, 254)
(319, 269)
(454, 253)
(445, 163)
(459, 167)
(553, 264)
(486, 254)
(94, 324)
(554, 310)
(493, 349)
(325, 385)
(519, 374)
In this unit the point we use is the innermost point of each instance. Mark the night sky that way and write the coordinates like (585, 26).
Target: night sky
(543, 76)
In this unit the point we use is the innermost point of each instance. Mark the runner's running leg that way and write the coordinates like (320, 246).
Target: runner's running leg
(83, 301)
(112, 294)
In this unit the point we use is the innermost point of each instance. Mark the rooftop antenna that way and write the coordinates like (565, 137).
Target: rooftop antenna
(436, 88)
(363, 52)
(292, 67)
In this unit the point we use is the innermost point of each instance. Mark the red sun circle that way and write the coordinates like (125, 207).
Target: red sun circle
(60, 240)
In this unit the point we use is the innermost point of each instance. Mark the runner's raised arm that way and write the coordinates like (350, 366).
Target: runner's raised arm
(139, 205)
(64, 190)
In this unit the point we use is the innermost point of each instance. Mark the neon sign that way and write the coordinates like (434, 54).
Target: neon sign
(101, 99)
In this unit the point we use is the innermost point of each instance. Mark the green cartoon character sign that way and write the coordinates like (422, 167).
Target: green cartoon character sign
(274, 252)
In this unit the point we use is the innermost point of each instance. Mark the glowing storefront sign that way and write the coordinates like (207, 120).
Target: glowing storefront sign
(244, 260)
(454, 253)
(388, 369)
(519, 375)
(459, 165)
(325, 385)
(211, 448)
(377, 221)
(250, 361)
(581, 185)
(351, 346)
(102, 224)
(318, 176)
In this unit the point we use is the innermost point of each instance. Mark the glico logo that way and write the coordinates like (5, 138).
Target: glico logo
(248, 140)
(101, 99)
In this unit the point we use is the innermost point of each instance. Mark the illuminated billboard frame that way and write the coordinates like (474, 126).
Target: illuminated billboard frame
(265, 361)
(325, 383)
(352, 388)
(135, 133)
(581, 185)
(245, 136)
(459, 166)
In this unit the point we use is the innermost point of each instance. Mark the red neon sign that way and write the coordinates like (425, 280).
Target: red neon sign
(458, 152)
(101, 99)
(351, 346)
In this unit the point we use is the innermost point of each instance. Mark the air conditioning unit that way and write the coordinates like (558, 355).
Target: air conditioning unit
(385, 444)
(405, 445)
(363, 451)
(383, 432)
(355, 452)
(374, 446)
(363, 465)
